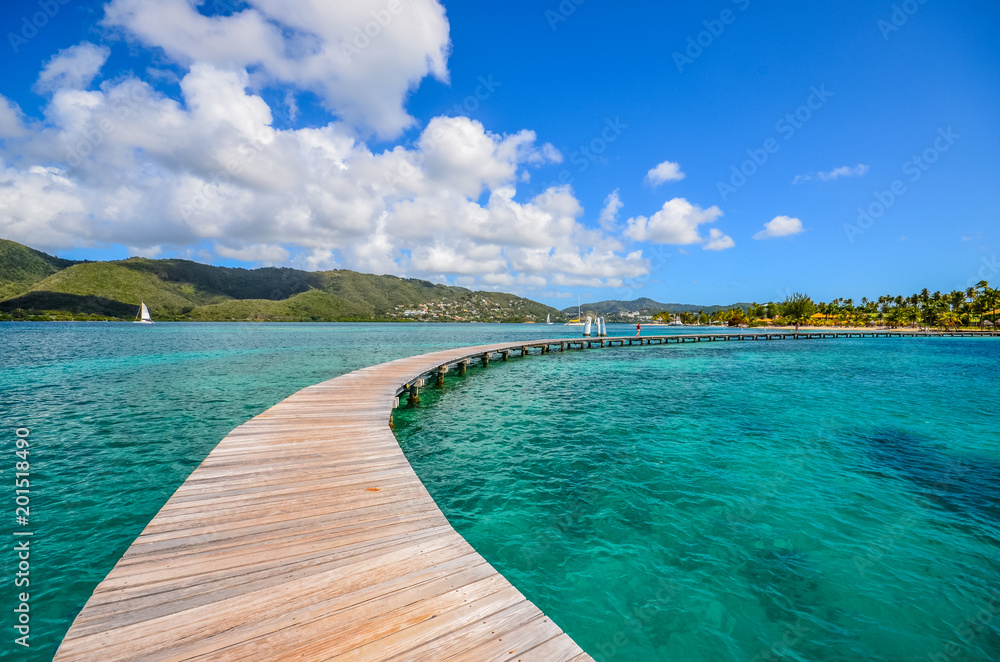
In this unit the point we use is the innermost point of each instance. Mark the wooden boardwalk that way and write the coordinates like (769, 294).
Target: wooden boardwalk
(306, 535)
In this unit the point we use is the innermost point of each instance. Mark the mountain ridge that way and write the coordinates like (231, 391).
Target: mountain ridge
(644, 305)
(35, 285)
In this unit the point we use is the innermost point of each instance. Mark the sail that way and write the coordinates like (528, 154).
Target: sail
(548, 319)
(144, 313)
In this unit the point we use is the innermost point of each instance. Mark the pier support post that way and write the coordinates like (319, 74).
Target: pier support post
(463, 365)
(524, 351)
(439, 377)
(505, 353)
(414, 398)
(545, 348)
(485, 358)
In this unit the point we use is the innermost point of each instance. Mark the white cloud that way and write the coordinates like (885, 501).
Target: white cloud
(676, 223)
(73, 67)
(836, 173)
(461, 154)
(609, 213)
(11, 120)
(717, 241)
(161, 175)
(259, 253)
(668, 171)
(780, 226)
(361, 57)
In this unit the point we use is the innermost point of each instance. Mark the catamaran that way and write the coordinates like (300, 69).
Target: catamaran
(142, 317)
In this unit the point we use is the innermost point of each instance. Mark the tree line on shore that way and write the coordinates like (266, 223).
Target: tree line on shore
(974, 307)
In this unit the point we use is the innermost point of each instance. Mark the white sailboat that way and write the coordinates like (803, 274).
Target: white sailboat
(548, 319)
(143, 315)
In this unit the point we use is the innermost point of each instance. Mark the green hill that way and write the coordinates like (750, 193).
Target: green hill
(118, 282)
(38, 286)
(313, 305)
(21, 267)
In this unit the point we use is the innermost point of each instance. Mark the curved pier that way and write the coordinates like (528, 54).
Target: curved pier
(306, 535)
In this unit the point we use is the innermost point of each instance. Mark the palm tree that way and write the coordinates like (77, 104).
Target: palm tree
(987, 301)
(883, 308)
(948, 318)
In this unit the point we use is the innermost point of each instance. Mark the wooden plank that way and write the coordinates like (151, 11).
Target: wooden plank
(306, 535)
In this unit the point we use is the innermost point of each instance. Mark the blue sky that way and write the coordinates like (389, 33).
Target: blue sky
(481, 143)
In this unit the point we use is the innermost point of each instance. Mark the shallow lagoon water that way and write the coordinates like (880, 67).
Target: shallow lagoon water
(834, 500)
(693, 502)
(120, 414)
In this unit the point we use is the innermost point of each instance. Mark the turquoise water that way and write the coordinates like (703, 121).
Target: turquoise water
(696, 502)
(120, 414)
(809, 500)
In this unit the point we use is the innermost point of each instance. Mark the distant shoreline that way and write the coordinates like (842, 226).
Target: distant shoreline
(734, 329)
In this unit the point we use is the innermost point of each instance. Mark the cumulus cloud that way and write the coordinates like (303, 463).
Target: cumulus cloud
(780, 226)
(668, 171)
(146, 171)
(73, 67)
(461, 153)
(836, 173)
(676, 223)
(361, 57)
(609, 213)
(11, 120)
(128, 164)
(718, 241)
(259, 253)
